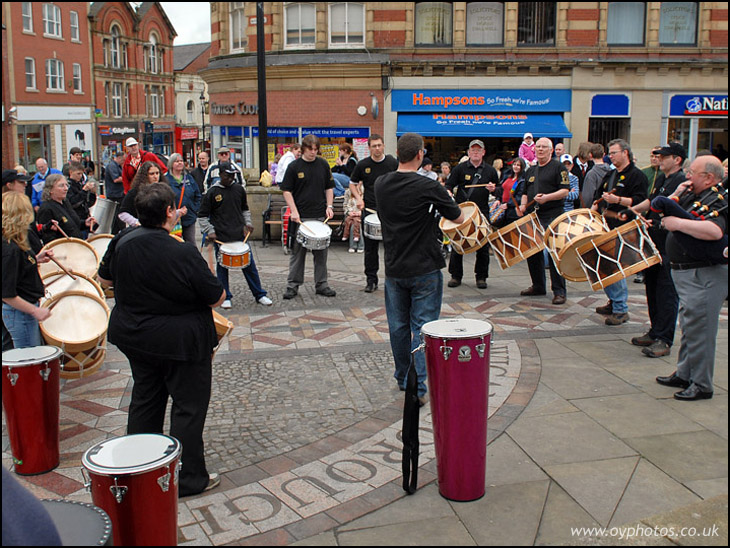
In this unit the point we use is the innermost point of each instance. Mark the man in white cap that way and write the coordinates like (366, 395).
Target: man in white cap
(135, 158)
(212, 176)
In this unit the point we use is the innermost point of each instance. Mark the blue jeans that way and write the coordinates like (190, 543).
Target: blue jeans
(342, 183)
(410, 303)
(619, 295)
(251, 274)
(23, 327)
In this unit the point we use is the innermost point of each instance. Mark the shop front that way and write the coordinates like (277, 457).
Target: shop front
(187, 143)
(113, 136)
(698, 121)
(450, 119)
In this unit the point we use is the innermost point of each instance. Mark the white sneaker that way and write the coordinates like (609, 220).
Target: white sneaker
(226, 304)
(351, 250)
(265, 301)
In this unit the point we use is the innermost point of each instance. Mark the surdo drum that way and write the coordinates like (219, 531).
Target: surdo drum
(517, 241)
(373, 228)
(78, 523)
(618, 254)
(100, 243)
(314, 235)
(457, 360)
(74, 254)
(234, 255)
(469, 236)
(566, 233)
(31, 390)
(134, 479)
(59, 282)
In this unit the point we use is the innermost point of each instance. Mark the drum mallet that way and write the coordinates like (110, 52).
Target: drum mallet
(59, 265)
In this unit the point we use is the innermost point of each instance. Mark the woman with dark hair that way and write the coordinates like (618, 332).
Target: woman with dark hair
(343, 168)
(187, 195)
(513, 187)
(147, 174)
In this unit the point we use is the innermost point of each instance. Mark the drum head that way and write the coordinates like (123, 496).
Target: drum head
(457, 328)
(77, 318)
(74, 254)
(60, 282)
(132, 454)
(234, 248)
(372, 219)
(316, 229)
(100, 243)
(78, 523)
(19, 357)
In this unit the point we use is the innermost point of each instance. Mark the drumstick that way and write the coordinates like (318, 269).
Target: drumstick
(477, 186)
(62, 232)
(370, 210)
(247, 235)
(601, 199)
(62, 268)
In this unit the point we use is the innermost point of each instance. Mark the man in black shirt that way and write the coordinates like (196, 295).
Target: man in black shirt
(366, 172)
(473, 172)
(547, 185)
(201, 170)
(309, 192)
(701, 285)
(162, 322)
(407, 203)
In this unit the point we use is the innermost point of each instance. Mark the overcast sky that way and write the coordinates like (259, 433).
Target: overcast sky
(191, 21)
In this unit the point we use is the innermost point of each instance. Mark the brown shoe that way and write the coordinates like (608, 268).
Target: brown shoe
(453, 282)
(559, 299)
(481, 283)
(606, 309)
(656, 350)
(530, 292)
(617, 319)
(644, 340)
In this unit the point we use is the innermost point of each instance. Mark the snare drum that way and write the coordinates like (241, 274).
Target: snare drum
(457, 360)
(31, 402)
(618, 254)
(566, 233)
(314, 235)
(373, 228)
(517, 241)
(234, 255)
(78, 523)
(78, 325)
(469, 236)
(74, 254)
(134, 479)
(58, 283)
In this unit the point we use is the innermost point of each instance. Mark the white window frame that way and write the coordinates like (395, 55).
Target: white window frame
(126, 100)
(155, 102)
(75, 30)
(190, 107)
(55, 75)
(299, 44)
(52, 21)
(77, 79)
(349, 6)
(239, 23)
(663, 24)
(31, 74)
(27, 11)
(473, 10)
(116, 102)
(422, 33)
(115, 47)
(152, 54)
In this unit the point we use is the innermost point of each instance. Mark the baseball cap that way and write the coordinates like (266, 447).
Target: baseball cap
(224, 149)
(427, 162)
(476, 142)
(226, 167)
(566, 158)
(672, 149)
(526, 135)
(131, 142)
(11, 175)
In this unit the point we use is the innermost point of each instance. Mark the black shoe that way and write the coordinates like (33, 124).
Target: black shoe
(290, 293)
(326, 292)
(453, 282)
(673, 380)
(371, 288)
(481, 284)
(692, 393)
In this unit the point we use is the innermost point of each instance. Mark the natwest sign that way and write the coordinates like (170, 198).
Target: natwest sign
(698, 105)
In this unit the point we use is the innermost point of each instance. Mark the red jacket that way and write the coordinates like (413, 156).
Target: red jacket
(129, 171)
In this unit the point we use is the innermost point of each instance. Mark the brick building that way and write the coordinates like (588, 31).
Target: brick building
(191, 96)
(48, 91)
(134, 82)
(572, 71)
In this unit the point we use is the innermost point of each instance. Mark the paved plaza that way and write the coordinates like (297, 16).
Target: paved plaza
(305, 423)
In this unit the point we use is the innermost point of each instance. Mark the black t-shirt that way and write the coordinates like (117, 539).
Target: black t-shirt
(664, 186)
(545, 180)
(163, 291)
(20, 274)
(407, 203)
(367, 171)
(308, 181)
(629, 183)
(225, 206)
(677, 253)
(465, 174)
(66, 217)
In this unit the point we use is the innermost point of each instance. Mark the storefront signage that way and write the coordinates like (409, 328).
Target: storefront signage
(610, 105)
(482, 125)
(556, 100)
(335, 132)
(292, 132)
(698, 105)
(187, 134)
(120, 131)
(241, 108)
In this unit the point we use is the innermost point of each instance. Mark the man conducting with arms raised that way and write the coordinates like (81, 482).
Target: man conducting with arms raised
(407, 203)
(367, 171)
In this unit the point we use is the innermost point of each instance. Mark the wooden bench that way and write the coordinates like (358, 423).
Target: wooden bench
(275, 211)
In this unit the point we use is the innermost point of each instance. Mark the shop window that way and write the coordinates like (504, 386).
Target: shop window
(678, 24)
(34, 142)
(626, 23)
(484, 23)
(52, 21)
(300, 24)
(30, 81)
(75, 34)
(536, 24)
(605, 130)
(434, 23)
(238, 26)
(54, 75)
(347, 24)
(27, 16)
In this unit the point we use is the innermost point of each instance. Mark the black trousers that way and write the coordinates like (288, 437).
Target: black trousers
(372, 260)
(189, 385)
(536, 265)
(663, 301)
(481, 268)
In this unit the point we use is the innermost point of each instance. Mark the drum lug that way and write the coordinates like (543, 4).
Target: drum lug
(420, 346)
(446, 350)
(480, 349)
(164, 481)
(45, 373)
(87, 479)
(177, 472)
(13, 378)
(118, 491)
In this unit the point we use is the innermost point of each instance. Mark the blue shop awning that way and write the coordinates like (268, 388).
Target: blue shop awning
(483, 125)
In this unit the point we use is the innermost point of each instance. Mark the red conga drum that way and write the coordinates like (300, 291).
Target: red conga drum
(457, 360)
(31, 390)
(134, 479)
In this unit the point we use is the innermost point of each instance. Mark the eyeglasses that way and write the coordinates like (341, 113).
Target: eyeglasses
(614, 152)
(691, 173)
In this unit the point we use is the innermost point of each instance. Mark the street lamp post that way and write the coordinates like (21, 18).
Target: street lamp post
(202, 112)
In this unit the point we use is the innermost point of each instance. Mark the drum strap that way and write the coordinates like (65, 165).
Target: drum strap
(410, 431)
(477, 179)
(132, 234)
